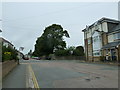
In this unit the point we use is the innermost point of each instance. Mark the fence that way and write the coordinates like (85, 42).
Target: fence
(70, 57)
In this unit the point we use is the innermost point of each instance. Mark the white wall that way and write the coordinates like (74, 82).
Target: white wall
(104, 27)
(5, 44)
(89, 34)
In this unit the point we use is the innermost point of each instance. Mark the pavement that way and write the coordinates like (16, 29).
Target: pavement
(61, 74)
(16, 78)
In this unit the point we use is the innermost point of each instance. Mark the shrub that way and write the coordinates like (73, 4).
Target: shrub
(79, 51)
(9, 53)
(62, 53)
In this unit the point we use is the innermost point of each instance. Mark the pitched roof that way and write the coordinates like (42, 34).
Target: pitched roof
(2, 39)
(102, 20)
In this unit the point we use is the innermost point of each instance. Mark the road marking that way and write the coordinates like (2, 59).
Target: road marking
(36, 86)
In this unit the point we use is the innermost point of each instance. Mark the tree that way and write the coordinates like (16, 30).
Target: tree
(51, 39)
(30, 53)
(79, 51)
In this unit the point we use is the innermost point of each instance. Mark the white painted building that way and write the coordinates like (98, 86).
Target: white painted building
(103, 34)
(6, 43)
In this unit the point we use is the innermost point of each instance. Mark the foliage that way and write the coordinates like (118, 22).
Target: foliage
(62, 53)
(51, 39)
(65, 52)
(30, 53)
(79, 51)
(12, 55)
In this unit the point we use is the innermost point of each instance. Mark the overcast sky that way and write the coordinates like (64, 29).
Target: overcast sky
(23, 22)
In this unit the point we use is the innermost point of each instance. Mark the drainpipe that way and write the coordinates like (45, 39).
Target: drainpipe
(86, 46)
(102, 39)
(92, 50)
(117, 47)
(92, 46)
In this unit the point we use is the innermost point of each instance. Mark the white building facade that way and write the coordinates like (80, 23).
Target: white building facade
(98, 36)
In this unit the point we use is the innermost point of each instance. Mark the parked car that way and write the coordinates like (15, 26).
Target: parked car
(36, 58)
(25, 58)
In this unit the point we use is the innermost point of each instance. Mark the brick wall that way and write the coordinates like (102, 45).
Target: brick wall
(70, 57)
(90, 58)
(88, 49)
(96, 58)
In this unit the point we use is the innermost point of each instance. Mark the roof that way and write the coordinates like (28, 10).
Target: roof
(102, 20)
(6, 41)
(110, 45)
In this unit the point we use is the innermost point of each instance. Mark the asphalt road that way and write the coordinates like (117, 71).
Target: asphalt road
(61, 74)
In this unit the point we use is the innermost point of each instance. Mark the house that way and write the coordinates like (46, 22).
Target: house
(6, 43)
(102, 38)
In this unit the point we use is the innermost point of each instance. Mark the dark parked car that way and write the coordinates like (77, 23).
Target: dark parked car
(36, 58)
(25, 58)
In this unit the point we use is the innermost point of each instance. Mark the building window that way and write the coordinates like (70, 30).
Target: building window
(117, 36)
(96, 53)
(95, 38)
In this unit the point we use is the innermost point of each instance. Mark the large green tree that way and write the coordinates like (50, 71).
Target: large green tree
(51, 39)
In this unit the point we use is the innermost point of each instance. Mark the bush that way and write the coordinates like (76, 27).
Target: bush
(79, 51)
(9, 53)
(62, 53)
